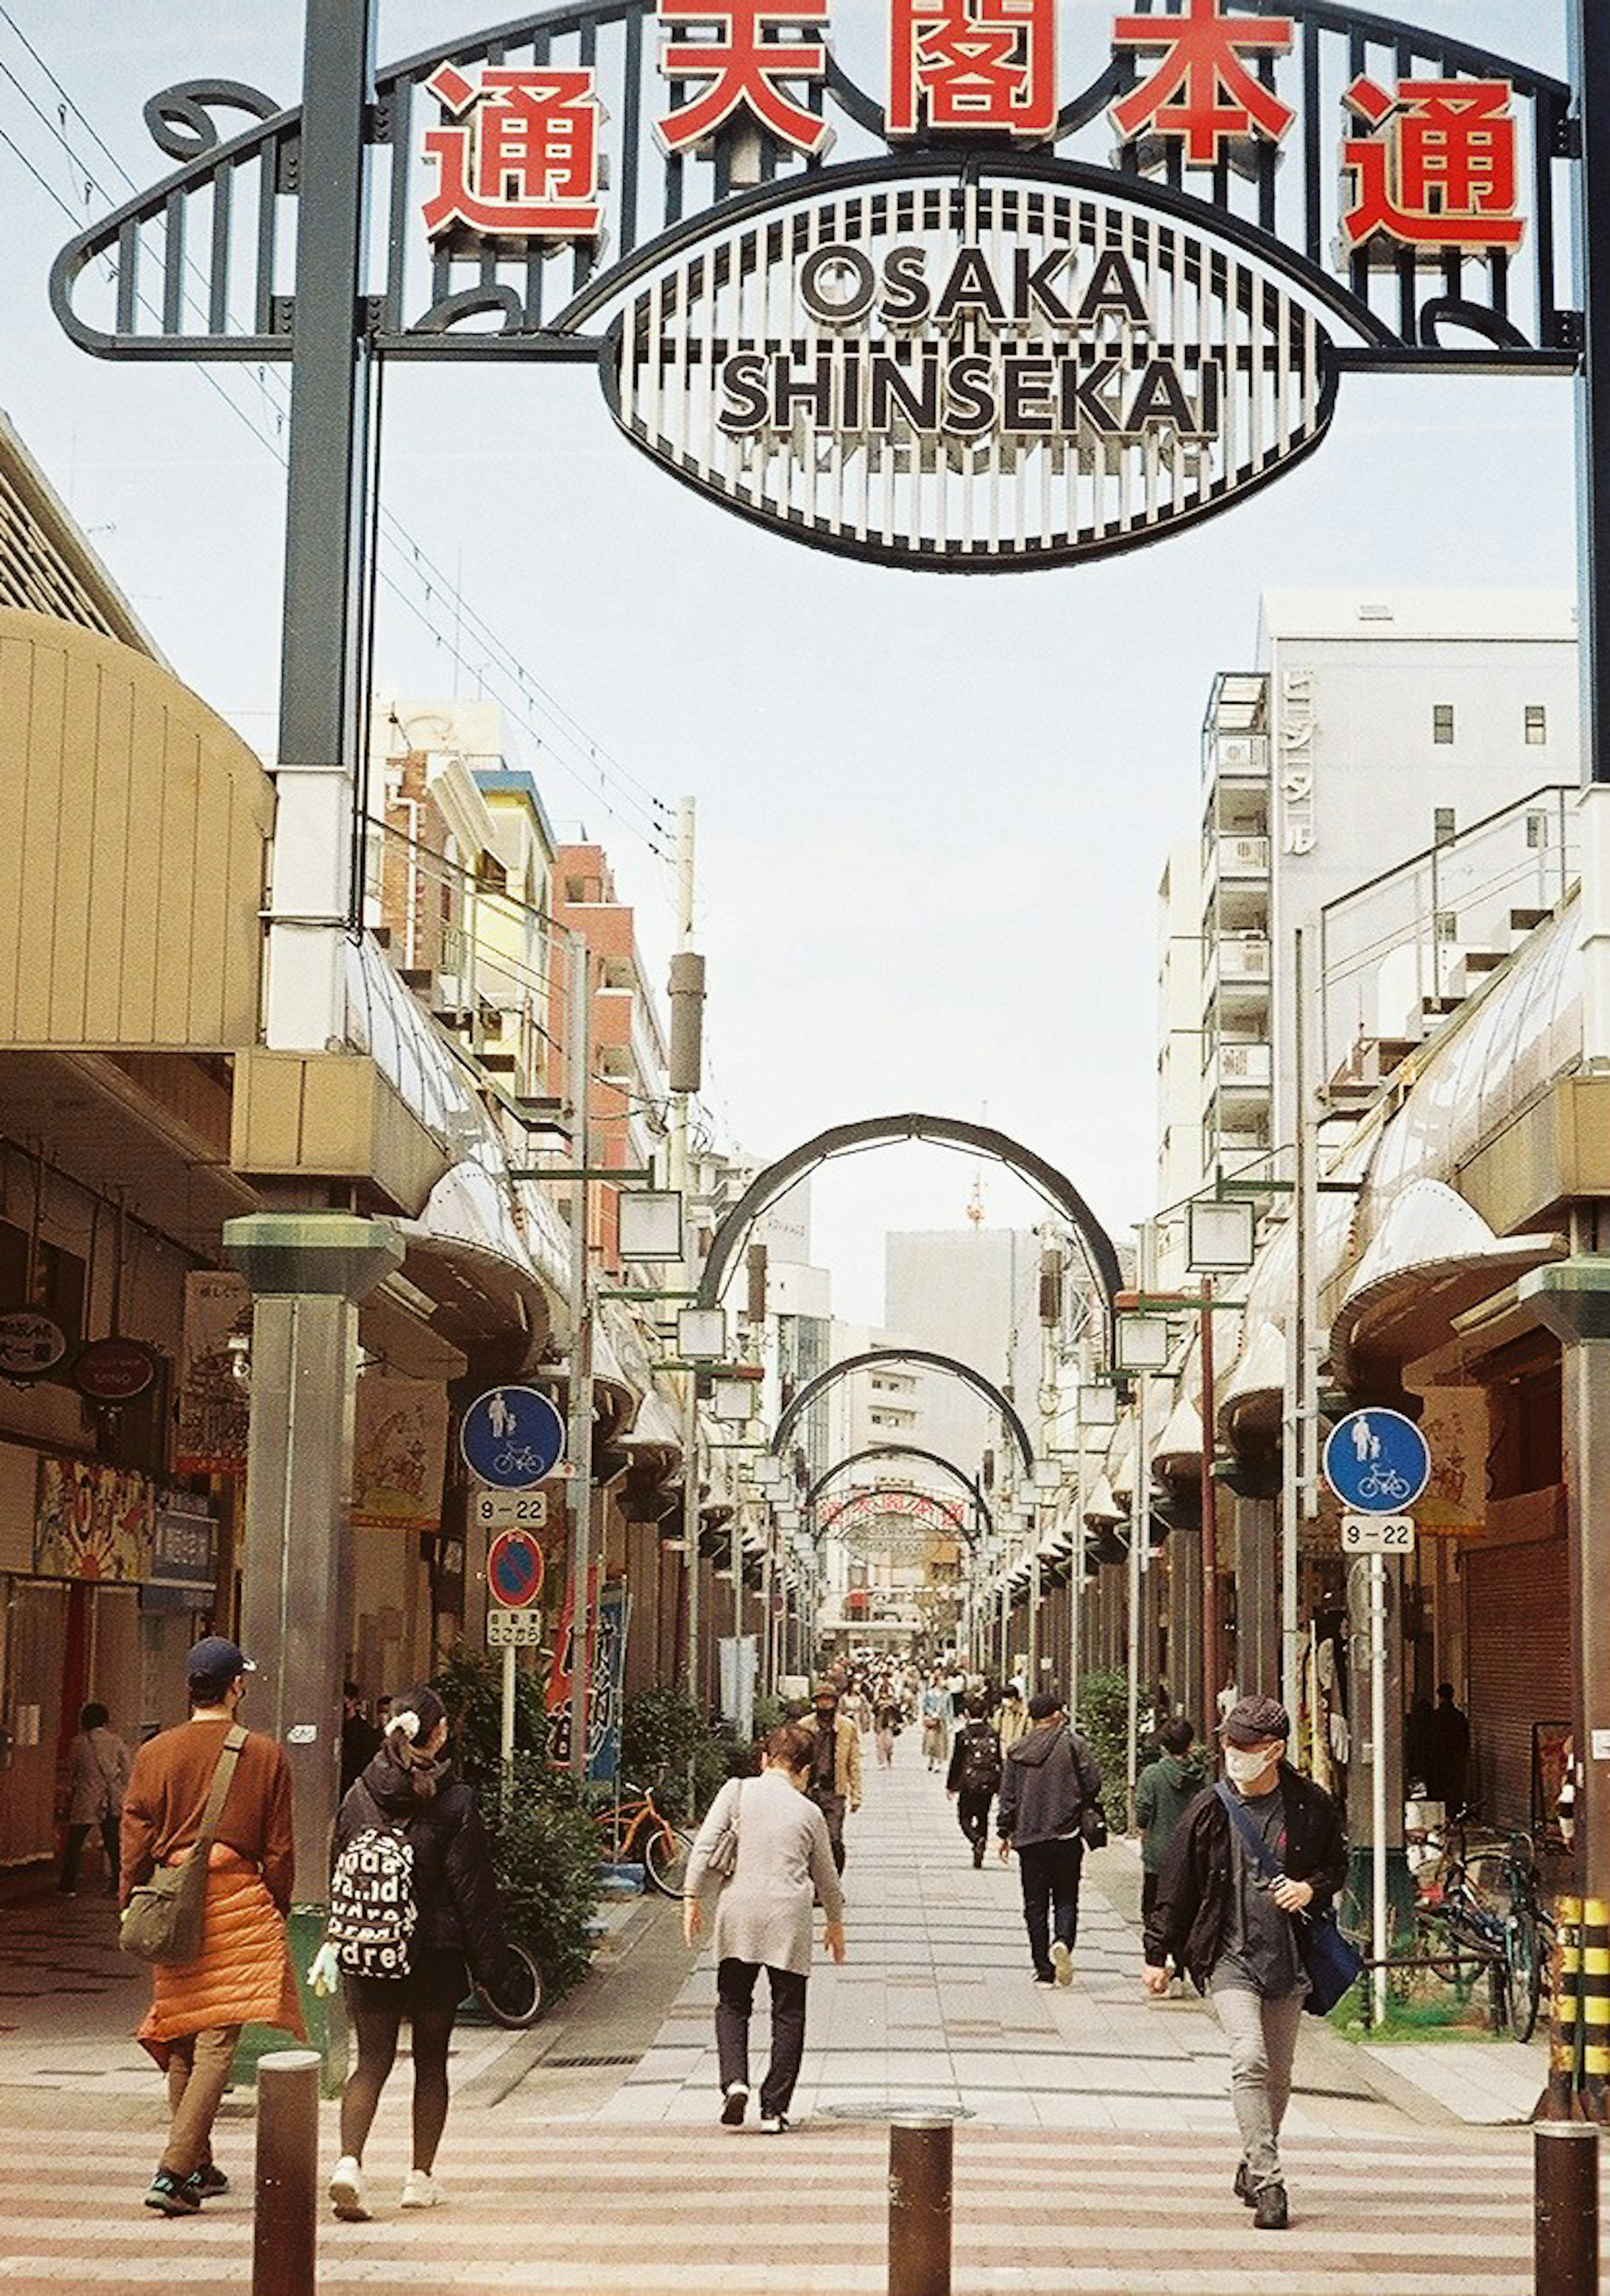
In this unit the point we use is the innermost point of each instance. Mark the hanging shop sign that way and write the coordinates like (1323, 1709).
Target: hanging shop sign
(31, 1344)
(113, 1371)
(93, 1522)
(1043, 284)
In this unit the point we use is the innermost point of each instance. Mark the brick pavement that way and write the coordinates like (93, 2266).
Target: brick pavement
(1095, 2159)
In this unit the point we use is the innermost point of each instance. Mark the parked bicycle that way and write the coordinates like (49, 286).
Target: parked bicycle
(639, 1832)
(1464, 1932)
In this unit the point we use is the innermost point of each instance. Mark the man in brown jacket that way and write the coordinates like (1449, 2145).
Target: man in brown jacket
(243, 1975)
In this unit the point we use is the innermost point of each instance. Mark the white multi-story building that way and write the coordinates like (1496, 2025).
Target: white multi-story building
(1389, 785)
(973, 1293)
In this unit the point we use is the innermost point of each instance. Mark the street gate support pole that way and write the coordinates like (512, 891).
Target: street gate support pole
(920, 2161)
(1565, 2227)
(285, 2229)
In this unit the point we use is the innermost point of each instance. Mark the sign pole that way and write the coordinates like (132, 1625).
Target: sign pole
(508, 1726)
(1377, 1782)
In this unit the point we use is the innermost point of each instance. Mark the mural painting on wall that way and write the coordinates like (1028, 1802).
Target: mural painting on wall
(215, 1403)
(93, 1522)
(399, 1454)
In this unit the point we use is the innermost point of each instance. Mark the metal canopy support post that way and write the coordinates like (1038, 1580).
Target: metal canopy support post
(578, 1060)
(312, 896)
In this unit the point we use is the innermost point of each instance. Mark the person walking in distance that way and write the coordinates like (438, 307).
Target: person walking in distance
(1049, 1780)
(770, 1840)
(1236, 1936)
(886, 1720)
(835, 1765)
(1163, 1792)
(243, 1975)
(974, 1776)
(410, 1795)
(98, 1764)
(1011, 1718)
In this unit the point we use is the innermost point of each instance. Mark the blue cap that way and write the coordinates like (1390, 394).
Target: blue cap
(216, 1659)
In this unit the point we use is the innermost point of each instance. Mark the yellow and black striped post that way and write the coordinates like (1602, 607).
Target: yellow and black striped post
(1564, 2035)
(1596, 2008)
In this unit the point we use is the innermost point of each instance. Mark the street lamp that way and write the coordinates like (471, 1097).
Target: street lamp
(701, 1335)
(1220, 1234)
(650, 1223)
(1220, 1239)
(1142, 1342)
(1098, 1404)
(732, 1400)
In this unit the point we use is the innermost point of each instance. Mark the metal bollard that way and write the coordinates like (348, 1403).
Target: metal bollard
(1566, 2154)
(920, 2153)
(284, 2232)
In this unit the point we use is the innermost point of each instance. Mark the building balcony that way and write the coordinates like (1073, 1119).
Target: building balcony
(1239, 1071)
(1235, 757)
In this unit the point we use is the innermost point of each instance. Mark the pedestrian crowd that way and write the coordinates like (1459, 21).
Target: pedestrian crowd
(1239, 1873)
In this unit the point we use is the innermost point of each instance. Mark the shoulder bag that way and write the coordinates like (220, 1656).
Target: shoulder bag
(164, 1918)
(1333, 1966)
(723, 1859)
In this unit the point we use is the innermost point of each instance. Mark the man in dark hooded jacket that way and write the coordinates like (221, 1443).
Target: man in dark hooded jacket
(1050, 1778)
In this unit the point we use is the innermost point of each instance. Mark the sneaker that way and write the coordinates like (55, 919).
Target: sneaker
(421, 2191)
(346, 2191)
(1271, 2209)
(210, 2181)
(736, 2106)
(172, 2196)
(1243, 2186)
(1062, 1963)
(1045, 1977)
(775, 2124)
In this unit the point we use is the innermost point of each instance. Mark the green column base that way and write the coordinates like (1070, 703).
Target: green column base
(1400, 1893)
(324, 2019)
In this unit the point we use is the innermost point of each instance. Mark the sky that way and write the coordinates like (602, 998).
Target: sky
(932, 812)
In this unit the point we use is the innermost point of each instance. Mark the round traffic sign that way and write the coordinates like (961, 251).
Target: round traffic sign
(1376, 1462)
(512, 1438)
(514, 1570)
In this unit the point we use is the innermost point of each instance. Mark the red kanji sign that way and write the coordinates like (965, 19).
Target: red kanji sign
(1204, 91)
(745, 69)
(974, 65)
(1438, 168)
(522, 162)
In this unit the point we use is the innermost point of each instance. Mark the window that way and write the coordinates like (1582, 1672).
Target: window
(1441, 722)
(1443, 828)
(1537, 726)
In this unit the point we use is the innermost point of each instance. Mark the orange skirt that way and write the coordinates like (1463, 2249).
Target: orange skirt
(243, 1975)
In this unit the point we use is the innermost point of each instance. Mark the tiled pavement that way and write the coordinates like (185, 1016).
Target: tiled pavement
(1094, 2160)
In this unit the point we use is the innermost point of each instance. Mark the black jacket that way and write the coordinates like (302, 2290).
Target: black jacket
(453, 1889)
(1193, 1904)
(974, 1735)
(1049, 1777)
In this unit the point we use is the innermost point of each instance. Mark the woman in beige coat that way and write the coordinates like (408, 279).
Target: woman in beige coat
(784, 1862)
(98, 1768)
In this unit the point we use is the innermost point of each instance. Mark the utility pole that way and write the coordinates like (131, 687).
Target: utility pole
(579, 1063)
(686, 1002)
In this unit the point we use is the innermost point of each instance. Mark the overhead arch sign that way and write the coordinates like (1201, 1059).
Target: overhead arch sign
(1054, 283)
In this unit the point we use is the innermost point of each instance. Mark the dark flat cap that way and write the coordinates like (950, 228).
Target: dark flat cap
(1254, 1721)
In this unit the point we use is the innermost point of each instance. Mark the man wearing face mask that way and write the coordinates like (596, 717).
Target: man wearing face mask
(834, 1783)
(1236, 1935)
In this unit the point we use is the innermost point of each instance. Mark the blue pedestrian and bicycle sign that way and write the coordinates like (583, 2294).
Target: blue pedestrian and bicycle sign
(1376, 1462)
(512, 1438)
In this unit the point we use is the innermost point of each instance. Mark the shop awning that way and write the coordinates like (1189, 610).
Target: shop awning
(1178, 1450)
(1249, 1405)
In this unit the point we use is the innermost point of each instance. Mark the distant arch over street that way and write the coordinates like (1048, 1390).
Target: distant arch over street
(973, 1488)
(929, 1361)
(763, 1190)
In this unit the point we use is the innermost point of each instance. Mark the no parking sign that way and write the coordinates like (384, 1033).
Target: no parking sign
(514, 1568)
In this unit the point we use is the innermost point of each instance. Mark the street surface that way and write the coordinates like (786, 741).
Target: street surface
(1094, 2156)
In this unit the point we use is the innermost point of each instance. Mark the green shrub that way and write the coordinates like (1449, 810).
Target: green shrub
(663, 1735)
(1103, 1722)
(544, 1847)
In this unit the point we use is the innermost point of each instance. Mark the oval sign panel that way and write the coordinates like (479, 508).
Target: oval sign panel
(970, 377)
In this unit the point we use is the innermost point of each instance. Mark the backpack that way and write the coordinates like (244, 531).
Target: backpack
(981, 1759)
(372, 1911)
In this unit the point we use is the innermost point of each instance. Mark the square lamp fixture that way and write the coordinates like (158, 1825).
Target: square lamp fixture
(732, 1400)
(651, 1223)
(1047, 1476)
(1143, 1343)
(701, 1335)
(1098, 1403)
(1218, 1235)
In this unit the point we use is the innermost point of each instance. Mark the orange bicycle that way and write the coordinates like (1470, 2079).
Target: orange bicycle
(638, 1831)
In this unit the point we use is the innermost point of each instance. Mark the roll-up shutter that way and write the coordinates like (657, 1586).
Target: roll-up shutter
(1517, 1619)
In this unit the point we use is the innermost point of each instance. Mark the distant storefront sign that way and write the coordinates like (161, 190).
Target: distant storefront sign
(184, 1555)
(214, 1406)
(31, 1344)
(113, 1371)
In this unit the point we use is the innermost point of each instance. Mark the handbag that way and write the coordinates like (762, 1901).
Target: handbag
(1093, 1826)
(723, 1859)
(164, 1918)
(1333, 1965)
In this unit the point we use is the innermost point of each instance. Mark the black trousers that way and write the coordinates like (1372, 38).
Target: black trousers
(72, 1849)
(832, 1807)
(1148, 1894)
(735, 2001)
(973, 1812)
(1049, 1873)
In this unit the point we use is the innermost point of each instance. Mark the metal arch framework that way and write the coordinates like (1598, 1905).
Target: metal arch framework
(975, 1489)
(992, 1394)
(884, 1131)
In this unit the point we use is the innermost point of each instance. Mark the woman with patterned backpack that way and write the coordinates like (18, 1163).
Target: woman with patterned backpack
(413, 1900)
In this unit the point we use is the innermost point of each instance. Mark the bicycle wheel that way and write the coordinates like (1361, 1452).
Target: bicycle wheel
(666, 1850)
(517, 2000)
(1523, 1956)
